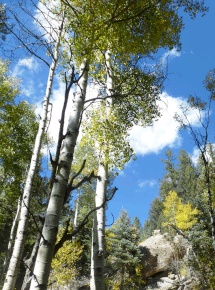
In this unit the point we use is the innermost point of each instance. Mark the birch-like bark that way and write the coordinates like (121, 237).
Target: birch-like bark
(30, 264)
(76, 214)
(97, 252)
(22, 226)
(11, 239)
(98, 233)
(53, 213)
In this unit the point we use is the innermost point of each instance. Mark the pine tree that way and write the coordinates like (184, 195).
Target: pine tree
(137, 227)
(187, 176)
(155, 219)
(125, 255)
(169, 181)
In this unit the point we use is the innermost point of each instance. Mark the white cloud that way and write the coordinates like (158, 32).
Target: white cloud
(170, 55)
(145, 183)
(28, 90)
(29, 63)
(164, 132)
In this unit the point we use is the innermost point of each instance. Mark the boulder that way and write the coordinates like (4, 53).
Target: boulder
(158, 253)
(160, 250)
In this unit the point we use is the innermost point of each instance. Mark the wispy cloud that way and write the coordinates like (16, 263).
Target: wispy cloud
(29, 63)
(28, 89)
(170, 55)
(150, 183)
(165, 131)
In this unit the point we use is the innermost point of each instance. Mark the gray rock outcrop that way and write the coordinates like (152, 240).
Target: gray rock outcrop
(159, 252)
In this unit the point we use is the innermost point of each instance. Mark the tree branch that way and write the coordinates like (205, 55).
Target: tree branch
(67, 236)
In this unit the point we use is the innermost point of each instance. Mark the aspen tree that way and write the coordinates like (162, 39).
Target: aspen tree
(94, 26)
(22, 225)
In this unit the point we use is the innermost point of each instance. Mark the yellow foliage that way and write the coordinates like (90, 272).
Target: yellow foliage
(64, 263)
(181, 215)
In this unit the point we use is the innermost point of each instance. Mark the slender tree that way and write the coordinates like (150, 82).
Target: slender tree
(46, 249)
(201, 139)
(22, 226)
(92, 29)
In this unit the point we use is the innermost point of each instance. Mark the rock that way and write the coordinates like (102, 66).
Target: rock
(160, 250)
(164, 283)
(182, 246)
(158, 253)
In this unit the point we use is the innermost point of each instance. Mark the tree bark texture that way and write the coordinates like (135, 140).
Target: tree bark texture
(97, 252)
(11, 240)
(30, 265)
(22, 226)
(98, 233)
(53, 213)
(76, 214)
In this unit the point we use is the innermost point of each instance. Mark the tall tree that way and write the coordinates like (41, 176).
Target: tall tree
(169, 181)
(19, 244)
(201, 137)
(88, 39)
(53, 213)
(19, 125)
(187, 176)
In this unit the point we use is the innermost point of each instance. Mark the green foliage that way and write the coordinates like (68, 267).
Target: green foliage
(105, 132)
(123, 261)
(137, 227)
(142, 26)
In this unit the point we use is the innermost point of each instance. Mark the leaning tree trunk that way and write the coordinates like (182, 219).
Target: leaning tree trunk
(98, 233)
(11, 239)
(53, 213)
(22, 226)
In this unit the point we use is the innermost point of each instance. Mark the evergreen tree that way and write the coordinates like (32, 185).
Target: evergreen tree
(155, 219)
(169, 181)
(125, 256)
(187, 176)
(181, 178)
(137, 227)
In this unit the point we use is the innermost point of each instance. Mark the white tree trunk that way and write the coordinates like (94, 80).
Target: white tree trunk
(98, 233)
(97, 252)
(11, 239)
(53, 213)
(30, 265)
(76, 213)
(22, 226)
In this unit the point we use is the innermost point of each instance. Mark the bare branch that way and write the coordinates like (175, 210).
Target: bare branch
(85, 220)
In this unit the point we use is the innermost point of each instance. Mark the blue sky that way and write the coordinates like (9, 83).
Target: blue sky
(138, 183)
